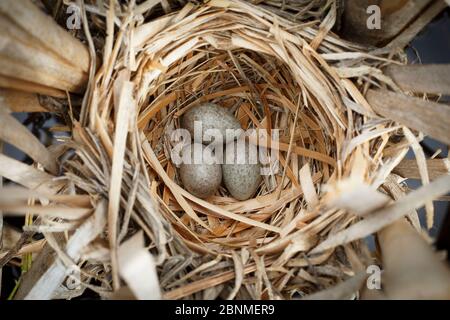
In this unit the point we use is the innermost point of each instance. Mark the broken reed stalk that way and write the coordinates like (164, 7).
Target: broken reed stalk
(428, 117)
(436, 167)
(402, 247)
(428, 78)
(276, 245)
(38, 55)
(396, 16)
(13, 132)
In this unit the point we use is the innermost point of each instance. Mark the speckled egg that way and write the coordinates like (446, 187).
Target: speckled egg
(240, 178)
(202, 180)
(211, 116)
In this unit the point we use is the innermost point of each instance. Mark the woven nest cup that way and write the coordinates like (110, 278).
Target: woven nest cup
(270, 80)
(272, 74)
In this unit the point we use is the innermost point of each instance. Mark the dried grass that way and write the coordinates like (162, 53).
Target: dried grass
(301, 233)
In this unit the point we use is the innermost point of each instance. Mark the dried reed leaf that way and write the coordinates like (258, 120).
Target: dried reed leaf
(431, 78)
(407, 35)
(408, 168)
(28, 176)
(307, 184)
(47, 281)
(34, 55)
(422, 165)
(387, 215)
(18, 101)
(137, 267)
(12, 131)
(402, 248)
(428, 117)
(123, 118)
(343, 291)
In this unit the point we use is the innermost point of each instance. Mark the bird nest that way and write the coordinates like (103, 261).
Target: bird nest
(302, 231)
